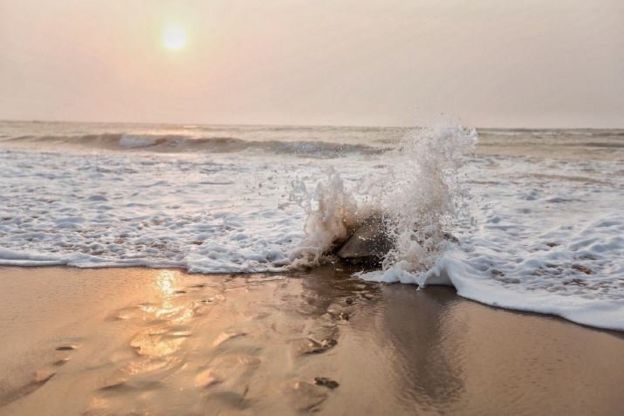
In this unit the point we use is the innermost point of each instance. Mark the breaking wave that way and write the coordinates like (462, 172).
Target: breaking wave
(419, 196)
(184, 144)
(514, 225)
(507, 247)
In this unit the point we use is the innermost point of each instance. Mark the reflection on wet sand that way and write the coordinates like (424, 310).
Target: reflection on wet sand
(426, 351)
(459, 357)
(320, 341)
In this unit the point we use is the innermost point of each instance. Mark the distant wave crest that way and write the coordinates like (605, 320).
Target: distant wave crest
(182, 144)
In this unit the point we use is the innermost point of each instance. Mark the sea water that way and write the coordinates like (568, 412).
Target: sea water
(523, 219)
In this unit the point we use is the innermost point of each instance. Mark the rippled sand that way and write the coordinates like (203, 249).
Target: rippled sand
(161, 342)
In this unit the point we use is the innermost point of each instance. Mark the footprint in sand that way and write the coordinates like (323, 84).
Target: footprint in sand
(157, 342)
(207, 378)
(233, 371)
(226, 336)
(60, 362)
(197, 286)
(66, 348)
(309, 346)
(40, 378)
(126, 314)
(326, 382)
(63, 351)
(306, 397)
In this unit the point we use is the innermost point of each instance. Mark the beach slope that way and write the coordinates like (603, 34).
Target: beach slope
(162, 342)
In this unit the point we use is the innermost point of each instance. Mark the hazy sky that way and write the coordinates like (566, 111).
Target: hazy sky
(550, 63)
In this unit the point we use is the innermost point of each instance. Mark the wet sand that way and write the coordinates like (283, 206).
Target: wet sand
(162, 342)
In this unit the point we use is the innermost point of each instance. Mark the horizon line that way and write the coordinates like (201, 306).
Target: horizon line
(169, 123)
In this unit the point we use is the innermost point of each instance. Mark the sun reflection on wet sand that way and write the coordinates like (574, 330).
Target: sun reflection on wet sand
(165, 282)
(321, 341)
(173, 308)
(166, 319)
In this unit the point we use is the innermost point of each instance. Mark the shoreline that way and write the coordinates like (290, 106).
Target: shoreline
(161, 341)
(343, 270)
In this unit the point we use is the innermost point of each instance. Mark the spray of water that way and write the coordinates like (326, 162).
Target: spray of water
(425, 199)
(419, 195)
(332, 212)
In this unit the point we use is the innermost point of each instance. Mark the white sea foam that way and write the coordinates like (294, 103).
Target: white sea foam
(417, 192)
(537, 229)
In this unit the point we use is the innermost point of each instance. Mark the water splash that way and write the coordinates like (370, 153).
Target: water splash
(332, 212)
(418, 194)
(424, 201)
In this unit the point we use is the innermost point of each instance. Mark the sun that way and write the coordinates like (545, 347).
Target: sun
(173, 36)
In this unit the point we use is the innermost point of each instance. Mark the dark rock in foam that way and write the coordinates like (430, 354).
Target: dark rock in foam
(368, 244)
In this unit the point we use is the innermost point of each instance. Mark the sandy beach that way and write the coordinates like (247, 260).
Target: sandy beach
(163, 342)
(283, 208)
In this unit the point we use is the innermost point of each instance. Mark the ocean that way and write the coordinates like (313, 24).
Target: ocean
(523, 219)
